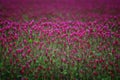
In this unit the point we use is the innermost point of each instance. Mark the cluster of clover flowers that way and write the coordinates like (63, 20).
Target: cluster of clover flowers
(59, 50)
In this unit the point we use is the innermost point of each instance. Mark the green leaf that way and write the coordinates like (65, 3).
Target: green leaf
(98, 54)
(1, 64)
(30, 40)
(0, 48)
(93, 51)
(25, 17)
(76, 74)
(99, 77)
(37, 40)
(75, 68)
(107, 78)
(64, 72)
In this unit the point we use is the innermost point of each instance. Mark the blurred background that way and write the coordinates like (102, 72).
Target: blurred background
(71, 9)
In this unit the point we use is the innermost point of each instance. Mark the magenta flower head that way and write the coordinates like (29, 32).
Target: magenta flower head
(63, 60)
(95, 73)
(24, 78)
(19, 50)
(23, 55)
(25, 41)
(117, 56)
(28, 51)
